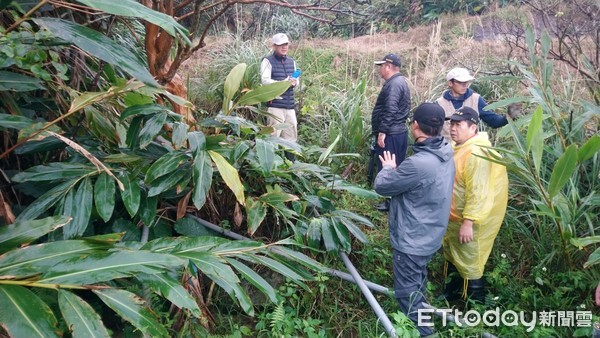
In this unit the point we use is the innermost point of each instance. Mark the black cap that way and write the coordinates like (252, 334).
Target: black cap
(465, 114)
(391, 58)
(431, 114)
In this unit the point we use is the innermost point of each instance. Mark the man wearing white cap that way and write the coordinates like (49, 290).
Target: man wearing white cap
(279, 67)
(459, 94)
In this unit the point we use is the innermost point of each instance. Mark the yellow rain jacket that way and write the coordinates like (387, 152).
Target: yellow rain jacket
(480, 194)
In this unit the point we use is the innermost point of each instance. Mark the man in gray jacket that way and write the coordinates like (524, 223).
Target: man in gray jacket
(421, 191)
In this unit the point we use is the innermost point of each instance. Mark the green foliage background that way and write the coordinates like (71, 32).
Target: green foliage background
(114, 193)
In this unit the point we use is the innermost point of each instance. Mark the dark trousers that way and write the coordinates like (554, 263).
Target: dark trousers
(410, 285)
(395, 144)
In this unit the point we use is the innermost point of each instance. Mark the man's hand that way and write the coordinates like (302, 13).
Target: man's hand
(465, 233)
(388, 159)
(598, 295)
(293, 81)
(381, 140)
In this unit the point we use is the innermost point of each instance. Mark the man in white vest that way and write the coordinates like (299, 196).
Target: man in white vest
(459, 94)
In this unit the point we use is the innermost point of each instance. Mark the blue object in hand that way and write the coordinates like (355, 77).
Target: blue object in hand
(296, 74)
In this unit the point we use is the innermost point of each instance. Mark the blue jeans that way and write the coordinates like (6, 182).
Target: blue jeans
(410, 285)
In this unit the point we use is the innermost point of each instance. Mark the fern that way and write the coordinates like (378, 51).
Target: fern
(277, 316)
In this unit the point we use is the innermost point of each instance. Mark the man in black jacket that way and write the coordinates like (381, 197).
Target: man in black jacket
(388, 120)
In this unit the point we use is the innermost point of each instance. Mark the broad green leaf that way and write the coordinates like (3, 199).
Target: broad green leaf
(593, 259)
(295, 256)
(546, 43)
(256, 213)
(535, 138)
(147, 212)
(254, 279)
(313, 234)
(275, 266)
(265, 155)
(39, 146)
(198, 244)
(506, 102)
(202, 175)
(232, 85)
(222, 274)
(54, 171)
(277, 197)
(131, 194)
(46, 201)
(10, 81)
(236, 247)
(563, 169)
(229, 175)
(23, 314)
(36, 259)
(354, 229)
(83, 201)
(348, 214)
(327, 234)
(589, 148)
(89, 98)
(101, 268)
(179, 136)
(163, 244)
(133, 132)
(133, 309)
(264, 93)
(342, 234)
(151, 129)
(197, 141)
(134, 9)
(166, 286)
(328, 151)
(190, 227)
(145, 110)
(25, 231)
(131, 232)
(9, 121)
(104, 196)
(353, 189)
(98, 45)
(211, 265)
(80, 317)
(584, 241)
(167, 182)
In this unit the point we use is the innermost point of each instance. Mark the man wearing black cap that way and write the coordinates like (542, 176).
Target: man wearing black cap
(388, 120)
(478, 206)
(421, 196)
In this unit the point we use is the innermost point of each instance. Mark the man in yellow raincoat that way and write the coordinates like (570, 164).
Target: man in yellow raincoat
(478, 206)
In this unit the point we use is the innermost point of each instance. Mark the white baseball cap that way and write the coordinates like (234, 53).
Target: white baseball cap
(459, 74)
(280, 39)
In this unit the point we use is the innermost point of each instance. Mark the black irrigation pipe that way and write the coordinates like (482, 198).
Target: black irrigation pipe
(354, 277)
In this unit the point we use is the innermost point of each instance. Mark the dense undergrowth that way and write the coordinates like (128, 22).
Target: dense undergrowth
(535, 265)
(116, 190)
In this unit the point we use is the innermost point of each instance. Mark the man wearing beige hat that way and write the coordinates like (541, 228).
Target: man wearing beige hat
(459, 94)
(275, 67)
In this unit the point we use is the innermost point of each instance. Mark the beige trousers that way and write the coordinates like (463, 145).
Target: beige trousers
(279, 116)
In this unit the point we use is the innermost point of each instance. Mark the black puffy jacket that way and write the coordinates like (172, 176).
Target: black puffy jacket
(392, 106)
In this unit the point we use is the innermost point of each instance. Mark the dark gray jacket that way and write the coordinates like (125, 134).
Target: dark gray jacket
(392, 106)
(421, 190)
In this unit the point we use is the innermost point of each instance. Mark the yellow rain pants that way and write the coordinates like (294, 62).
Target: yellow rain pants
(480, 194)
